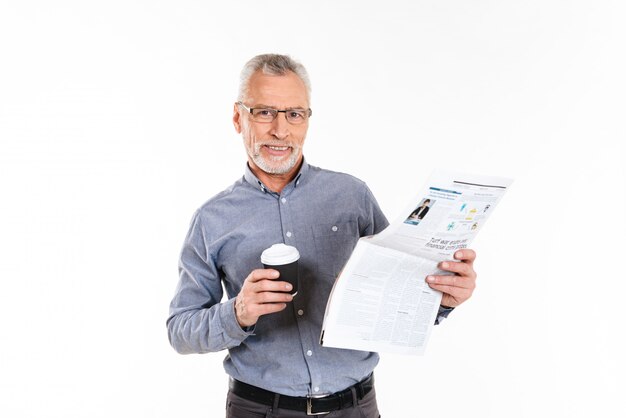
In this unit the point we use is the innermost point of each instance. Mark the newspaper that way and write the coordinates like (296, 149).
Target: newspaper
(381, 301)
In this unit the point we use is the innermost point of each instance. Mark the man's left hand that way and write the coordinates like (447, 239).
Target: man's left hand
(456, 288)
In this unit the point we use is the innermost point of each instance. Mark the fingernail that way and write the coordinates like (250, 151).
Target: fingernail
(288, 286)
(445, 265)
(275, 274)
(430, 279)
(459, 254)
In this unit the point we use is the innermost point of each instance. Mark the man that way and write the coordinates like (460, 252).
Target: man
(421, 211)
(276, 365)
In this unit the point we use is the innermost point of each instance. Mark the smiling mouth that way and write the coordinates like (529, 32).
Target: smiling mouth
(277, 151)
(275, 148)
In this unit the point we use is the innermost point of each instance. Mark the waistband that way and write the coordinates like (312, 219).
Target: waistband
(312, 405)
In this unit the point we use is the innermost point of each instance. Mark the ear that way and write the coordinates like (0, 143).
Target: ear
(237, 118)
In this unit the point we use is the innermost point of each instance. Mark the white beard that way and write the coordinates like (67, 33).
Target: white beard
(274, 166)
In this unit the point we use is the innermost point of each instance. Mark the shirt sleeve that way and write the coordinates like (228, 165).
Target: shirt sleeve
(198, 322)
(375, 219)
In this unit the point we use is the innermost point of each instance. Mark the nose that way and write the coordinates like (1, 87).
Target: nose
(280, 126)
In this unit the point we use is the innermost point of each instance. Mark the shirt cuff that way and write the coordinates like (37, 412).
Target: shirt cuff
(229, 322)
(443, 313)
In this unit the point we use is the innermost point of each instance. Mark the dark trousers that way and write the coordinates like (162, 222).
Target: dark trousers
(237, 407)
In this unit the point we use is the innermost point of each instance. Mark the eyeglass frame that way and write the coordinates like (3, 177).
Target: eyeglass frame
(309, 112)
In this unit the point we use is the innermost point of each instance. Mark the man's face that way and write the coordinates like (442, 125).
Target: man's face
(274, 147)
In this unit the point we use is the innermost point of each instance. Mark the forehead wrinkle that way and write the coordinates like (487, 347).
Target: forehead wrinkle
(264, 106)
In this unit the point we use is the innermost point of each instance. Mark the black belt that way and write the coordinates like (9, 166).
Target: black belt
(310, 405)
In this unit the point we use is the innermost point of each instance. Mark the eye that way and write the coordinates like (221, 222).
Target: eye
(264, 113)
(296, 114)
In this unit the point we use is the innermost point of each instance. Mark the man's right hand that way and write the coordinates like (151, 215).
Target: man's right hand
(261, 294)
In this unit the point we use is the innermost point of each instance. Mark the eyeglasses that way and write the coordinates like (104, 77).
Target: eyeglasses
(267, 115)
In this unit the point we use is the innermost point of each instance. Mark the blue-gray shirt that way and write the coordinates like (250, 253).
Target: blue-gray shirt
(321, 213)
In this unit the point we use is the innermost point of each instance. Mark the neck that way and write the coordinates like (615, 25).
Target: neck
(275, 182)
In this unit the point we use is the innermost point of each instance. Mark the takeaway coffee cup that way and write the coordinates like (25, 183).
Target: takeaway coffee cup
(283, 258)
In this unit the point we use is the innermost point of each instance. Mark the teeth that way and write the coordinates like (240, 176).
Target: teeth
(278, 148)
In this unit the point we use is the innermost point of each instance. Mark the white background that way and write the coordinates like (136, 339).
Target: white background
(115, 126)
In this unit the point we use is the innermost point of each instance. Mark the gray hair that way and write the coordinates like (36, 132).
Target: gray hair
(272, 64)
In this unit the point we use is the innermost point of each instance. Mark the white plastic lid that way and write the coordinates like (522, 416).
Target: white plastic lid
(279, 254)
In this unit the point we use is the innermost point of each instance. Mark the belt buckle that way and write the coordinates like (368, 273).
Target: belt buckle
(309, 406)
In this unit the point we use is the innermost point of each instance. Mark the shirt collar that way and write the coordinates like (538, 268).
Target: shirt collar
(258, 184)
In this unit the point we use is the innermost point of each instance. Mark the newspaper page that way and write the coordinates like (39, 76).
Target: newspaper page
(381, 301)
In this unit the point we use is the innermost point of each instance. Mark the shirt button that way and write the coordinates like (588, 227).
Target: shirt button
(309, 353)
(288, 234)
(283, 200)
(316, 389)
(334, 228)
(300, 312)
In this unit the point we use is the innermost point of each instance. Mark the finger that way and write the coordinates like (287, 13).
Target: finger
(266, 308)
(272, 297)
(465, 255)
(457, 293)
(272, 286)
(458, 267)
(250, 306)
(262, 274)
(452, 281)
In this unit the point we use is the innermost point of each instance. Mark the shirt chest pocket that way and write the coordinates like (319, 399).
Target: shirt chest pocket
(334, 243)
